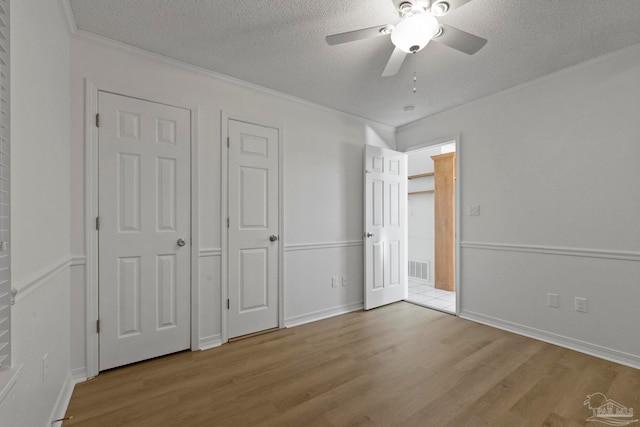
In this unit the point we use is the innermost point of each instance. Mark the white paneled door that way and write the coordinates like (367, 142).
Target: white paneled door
(385, 219)
(253, 239)
(144, 231)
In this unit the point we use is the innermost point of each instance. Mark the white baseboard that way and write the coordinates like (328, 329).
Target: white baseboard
(322, 314)
(62, 403)
(79, 375)
(211, 341)
(559, 340)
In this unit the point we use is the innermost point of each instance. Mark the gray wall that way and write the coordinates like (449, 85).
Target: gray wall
(40, 123)
(553, 165)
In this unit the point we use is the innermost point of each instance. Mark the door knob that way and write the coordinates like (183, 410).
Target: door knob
(181, 242)
(273, 237)
(369, 234)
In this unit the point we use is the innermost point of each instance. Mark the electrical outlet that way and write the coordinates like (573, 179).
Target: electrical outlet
(45, 367)
(581, 305)
(334, 282)
(553, 300)
(474, 210)
(344, 280)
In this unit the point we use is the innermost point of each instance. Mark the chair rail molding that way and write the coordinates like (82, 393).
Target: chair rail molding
(555, 250)
(322, 245)
(39, 279)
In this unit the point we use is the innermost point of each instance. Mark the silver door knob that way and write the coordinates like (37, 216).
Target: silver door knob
(181, 242)
(273, 237)
(369, 234)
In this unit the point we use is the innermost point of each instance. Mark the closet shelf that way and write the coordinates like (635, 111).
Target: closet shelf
(421, 192)
(420, 175)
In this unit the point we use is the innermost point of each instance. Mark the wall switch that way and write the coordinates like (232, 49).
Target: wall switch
(581, 305)
(474, 210)
(344, 280)
(553, 300)
(334, 282)
(45, 367)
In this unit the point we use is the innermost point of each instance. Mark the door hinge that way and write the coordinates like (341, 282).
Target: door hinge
(97, 223)
(97, 120)
(227, 141)
(227, 222)
(228, 304)
(98, 326)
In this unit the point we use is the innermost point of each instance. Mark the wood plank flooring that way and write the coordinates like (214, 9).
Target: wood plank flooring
(399, 365)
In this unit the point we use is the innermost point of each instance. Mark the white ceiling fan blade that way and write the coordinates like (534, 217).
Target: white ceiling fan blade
(394, 63)
(460, 40)
(350, 36)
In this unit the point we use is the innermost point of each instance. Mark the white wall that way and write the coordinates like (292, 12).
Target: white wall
(322, 189)
(420, 209)
(40, 212)
(553, 165)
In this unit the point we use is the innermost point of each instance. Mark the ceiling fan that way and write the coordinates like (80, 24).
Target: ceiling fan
(417, 27)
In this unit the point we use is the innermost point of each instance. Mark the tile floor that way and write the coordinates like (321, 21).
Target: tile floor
(426, 295)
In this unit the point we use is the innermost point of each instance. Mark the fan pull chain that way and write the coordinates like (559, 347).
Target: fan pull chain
(415, 79)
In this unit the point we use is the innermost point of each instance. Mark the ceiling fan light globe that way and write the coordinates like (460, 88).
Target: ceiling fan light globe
(414, 32)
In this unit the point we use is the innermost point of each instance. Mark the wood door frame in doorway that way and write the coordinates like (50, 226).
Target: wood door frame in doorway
(91, 212)
(224, 208)
(458, 207)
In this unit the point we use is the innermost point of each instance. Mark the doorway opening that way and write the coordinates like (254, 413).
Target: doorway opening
(431, 226)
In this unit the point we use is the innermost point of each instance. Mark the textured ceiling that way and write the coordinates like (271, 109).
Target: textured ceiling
(280, 45)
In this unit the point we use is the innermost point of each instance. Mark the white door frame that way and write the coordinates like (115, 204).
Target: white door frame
(441, 141)
(91, 212)
(224, 209)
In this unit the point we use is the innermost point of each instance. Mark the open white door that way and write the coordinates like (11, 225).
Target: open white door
(385, 221)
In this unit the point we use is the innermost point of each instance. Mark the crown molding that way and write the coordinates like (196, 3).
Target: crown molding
(67, 15)
(123, 47)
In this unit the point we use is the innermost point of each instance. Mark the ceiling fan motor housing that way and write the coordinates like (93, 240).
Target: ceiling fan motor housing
(414, 32)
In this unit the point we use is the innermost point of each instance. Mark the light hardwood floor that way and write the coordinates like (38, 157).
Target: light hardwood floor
(399, 365)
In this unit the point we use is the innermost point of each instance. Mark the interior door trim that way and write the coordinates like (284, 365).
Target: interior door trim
(224, 204)
(91, 211)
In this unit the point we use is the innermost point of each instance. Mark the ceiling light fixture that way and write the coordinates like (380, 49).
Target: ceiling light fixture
(387, 29)
(440, 8)
(414, 32)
